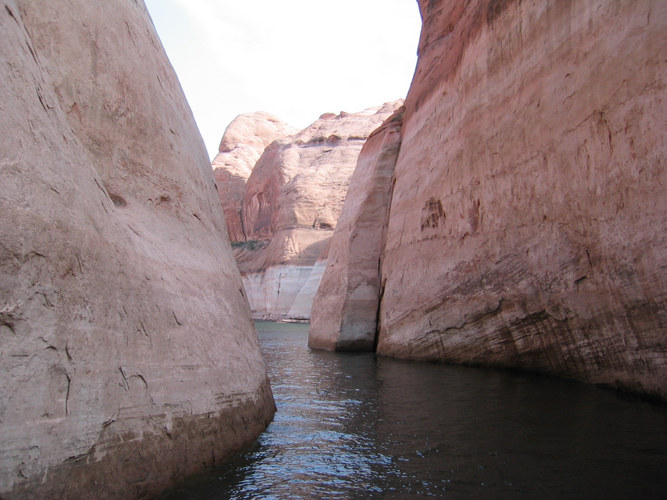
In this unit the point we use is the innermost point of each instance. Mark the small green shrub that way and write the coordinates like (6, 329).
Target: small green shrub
(250, 244)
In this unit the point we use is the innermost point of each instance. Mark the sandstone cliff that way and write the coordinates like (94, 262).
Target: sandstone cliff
(292, 201)
(527, 223)
(127, 351)
(241, 146)
(345, 308)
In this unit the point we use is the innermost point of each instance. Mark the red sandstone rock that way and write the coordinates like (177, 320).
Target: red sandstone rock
(528, 220)
(292, 201)
(127, 353)
(243, 143)
(344, 315)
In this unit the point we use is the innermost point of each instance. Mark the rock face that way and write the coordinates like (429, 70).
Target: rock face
(127, 352)
(345, 308)
(293, 199)
(243, 143)
(528, 221)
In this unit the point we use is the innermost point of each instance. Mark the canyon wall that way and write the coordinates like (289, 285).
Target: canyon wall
(345, 307)
(127, 351)
(242, 144)
(527, 224)
(292, 202)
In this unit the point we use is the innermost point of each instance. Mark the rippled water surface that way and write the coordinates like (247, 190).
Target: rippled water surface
(357, 426)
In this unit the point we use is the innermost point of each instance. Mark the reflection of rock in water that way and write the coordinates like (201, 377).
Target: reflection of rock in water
(350, 425)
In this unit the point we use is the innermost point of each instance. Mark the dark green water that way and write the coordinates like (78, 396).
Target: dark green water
(357, 426)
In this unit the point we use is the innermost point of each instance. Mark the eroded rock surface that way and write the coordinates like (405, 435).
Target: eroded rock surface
(241, 146)
(292, 202)
(345, 309)
(127, 351)
(528, 220)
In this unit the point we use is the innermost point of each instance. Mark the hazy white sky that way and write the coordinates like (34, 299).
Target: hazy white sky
(296, 59)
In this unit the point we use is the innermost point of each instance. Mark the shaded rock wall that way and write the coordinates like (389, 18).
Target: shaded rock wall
(127, 351)
(528, 221)
(292, 202)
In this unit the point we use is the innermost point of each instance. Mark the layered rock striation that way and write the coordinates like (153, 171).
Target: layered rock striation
(527, 224)
(242, 144)
(127, 350)
(292, 202)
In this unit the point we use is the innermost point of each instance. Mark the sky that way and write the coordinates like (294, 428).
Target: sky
(296, 59)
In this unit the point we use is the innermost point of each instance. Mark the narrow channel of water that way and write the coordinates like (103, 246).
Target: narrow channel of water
(357, 426)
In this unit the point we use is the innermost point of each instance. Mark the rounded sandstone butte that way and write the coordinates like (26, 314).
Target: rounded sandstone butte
(254, 130)
(301, 181)
(292, 202)
(127, 352)
(528, 224)
(244, 141)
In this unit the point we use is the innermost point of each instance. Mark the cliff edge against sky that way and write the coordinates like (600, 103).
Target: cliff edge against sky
(527, 221)
(127, 351)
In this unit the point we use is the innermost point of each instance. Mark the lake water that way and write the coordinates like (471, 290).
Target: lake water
(358, 426)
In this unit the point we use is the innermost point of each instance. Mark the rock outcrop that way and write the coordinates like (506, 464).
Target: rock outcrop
(292, 202)
(344, 314)
(127, 351)
(528, 221)
(241, 146)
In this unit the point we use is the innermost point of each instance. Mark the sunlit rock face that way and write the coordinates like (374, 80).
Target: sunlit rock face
(127, 353)
(291, 205)
(243, 143)
(528, 219)
(345, 308)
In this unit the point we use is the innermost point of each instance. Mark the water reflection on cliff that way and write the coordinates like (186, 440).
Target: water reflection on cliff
(351, 425)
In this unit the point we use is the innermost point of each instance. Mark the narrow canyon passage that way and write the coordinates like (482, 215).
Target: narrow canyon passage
(508, 212)
(354, 425)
